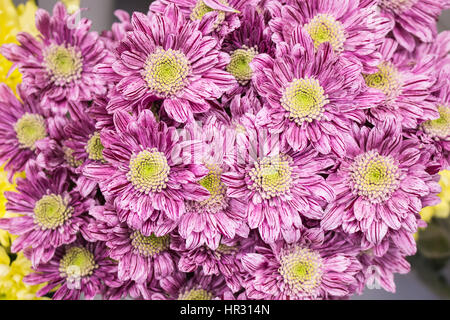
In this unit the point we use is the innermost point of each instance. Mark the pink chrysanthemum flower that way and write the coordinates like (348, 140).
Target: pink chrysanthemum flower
(407, 93)
(82, 147)
(221, 16)
(22, 125)
(59, 65)
(80, 268)
(140, 257)
(318, 266)
(224, 261)
(381, 186)
(133, 289)
(413, 19)
(166, 58)
(378, 271)
(147, 167)
(206, 222)
(50, 214)
(243, 44)
(197, 287)
(118, 30)
(353, 31)
(280, 186)
(311, 96)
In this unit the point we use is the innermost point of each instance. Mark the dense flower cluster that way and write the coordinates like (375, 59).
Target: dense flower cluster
(212, 149)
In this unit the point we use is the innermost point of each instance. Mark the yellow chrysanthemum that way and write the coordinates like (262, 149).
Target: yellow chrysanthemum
(12, 272)
(13, 20)
(442, 210)
(12, 267)
(72, 5)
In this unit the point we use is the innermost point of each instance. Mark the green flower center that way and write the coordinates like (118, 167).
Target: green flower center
(398, 6)
(151, 245)
(94, 147)
(387, 79)
(29, 129)
(52, 211)
(149, 171)
(166, 72)
(217, 199)
(239, 65)
(272, 176)
(201, 9)
(77, 262)
(196, 294)
(64, 64)
(439, 128)
(325, 28)
(70, 158)
(304, 99)
(374, 177)
(302, 270)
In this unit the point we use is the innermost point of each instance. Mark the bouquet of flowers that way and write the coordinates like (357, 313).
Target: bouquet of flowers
(212, 149)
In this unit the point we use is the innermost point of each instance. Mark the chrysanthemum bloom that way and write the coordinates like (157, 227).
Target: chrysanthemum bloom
(219, 216)
(378, 272)
(198, 287)
(436, 132)
(224, 261)
(407, 92)
(133, 289)
(58, 66)
(353, 32)
(243, 44)
(13, 20)
(441, 210)
(381, 186)
(221, 16)
(22, 124)
(311, 97)
(413, 19)
(278, 185)
(84, 146)
(51, 215)
(140, 257)
(12, 271)
(146, 168)
(318, 266)
(76, 269)
(170, 59)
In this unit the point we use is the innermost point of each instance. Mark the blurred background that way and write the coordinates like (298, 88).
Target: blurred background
(430, 275)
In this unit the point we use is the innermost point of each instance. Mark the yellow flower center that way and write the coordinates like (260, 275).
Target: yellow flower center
(387, 79)
(63, 63)
(374, 177)
(304, 100)
(29, 129)
(325, 28)
(196, 294)
(149, 171)
(94, 147)
(151, 245)
(70, 158)
(201, 9)
(166, 72)
(439, 128)
(272, 176)
(77, 262)
(52, 211)
(239, 65)
(302, 270)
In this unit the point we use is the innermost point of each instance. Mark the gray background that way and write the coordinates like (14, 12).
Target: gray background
(101, 13)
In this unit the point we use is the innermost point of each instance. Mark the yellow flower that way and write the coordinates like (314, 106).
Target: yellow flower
(13, 20)
(442, 210)
(12, 272)
(72, 5)
(5, 185)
